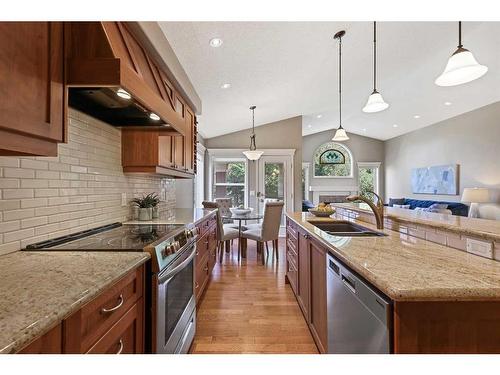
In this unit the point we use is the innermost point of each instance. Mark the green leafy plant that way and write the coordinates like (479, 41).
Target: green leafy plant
(147, 201)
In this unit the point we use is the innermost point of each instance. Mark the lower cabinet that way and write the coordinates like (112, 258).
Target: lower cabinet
(206, 254)
(306, 273)
(113, 322)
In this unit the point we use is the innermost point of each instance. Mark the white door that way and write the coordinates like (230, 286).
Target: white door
(275, 182)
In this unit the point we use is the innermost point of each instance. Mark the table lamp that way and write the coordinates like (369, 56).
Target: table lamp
(475, 196)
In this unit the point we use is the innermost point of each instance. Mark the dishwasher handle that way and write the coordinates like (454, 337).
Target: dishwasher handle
(350, 284)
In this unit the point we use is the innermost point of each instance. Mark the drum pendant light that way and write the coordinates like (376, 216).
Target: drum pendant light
(462, 67)
(253, 153)
(340, 134)
(375, 102)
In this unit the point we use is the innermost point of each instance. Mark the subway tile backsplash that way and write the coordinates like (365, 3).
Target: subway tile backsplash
(47, 197)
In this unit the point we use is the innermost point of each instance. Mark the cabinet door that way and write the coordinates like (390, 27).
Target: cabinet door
(317, 316)
(303, 273)
(179, 162)
(50, 343)
(31, 84)
(165, 151)
(201, 277)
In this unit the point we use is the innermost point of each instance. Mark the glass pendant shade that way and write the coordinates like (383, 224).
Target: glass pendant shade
(253, 154)
(462, 67)
(340, 135)
(375, 103)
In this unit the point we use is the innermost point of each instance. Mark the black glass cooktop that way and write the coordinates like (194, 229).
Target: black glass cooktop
(113, 237)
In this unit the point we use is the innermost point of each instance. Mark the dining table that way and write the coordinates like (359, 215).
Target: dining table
(240, 218)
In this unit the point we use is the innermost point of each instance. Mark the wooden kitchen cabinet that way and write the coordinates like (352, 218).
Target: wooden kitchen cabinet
(33, 105)
(113, 322)
(303, 287)
(306, 273)
(50, 343)
(206, 254)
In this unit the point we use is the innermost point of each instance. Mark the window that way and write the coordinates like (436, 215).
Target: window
(229, 177)
(332, 160)
(368, 174)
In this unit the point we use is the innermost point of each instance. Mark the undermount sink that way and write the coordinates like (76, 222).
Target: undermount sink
(346, 228)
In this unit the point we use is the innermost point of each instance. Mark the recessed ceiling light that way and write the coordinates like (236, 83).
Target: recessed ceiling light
(319, 116)
(215, 42)
(154, 116)
(395, 125)
(225, 86)
(364, 129)
(416, 116)
(309, 126)
(447, 103)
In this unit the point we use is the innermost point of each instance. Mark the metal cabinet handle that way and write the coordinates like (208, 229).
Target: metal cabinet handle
(197, 253)
(121, 347)
(106, 311)
(206, 268)
(197, 286)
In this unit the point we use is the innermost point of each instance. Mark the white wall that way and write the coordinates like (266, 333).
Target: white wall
(471, 140)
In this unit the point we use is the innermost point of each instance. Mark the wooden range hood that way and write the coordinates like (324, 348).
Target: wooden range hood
(102, 57)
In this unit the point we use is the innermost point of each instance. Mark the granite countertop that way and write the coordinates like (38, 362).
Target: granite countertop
(406, 268)
(482, 228)
(39, 289)
(177, 216)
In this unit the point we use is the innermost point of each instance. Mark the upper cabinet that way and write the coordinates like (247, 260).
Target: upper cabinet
(32, 109)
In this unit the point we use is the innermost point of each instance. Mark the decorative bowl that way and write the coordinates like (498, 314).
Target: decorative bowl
(240, 211)
(321, 213)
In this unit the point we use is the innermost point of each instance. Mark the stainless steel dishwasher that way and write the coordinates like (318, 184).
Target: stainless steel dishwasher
(359, 318)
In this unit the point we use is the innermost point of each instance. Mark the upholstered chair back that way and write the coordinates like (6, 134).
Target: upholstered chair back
(272, 220)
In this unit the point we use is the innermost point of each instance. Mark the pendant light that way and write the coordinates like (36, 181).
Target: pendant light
(340, 134)
(253, 153)
(375, 102)
(462, 67)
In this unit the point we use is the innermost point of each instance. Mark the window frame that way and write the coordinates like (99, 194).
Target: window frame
(351, 172)
(371, 164)
(214, 158)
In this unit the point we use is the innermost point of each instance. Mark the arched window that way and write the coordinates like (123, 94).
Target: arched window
(332, 159)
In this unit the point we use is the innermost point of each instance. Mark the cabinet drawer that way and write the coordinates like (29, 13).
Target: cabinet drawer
(92, 321)
(125, 336)
(201, 276)
(292, 273)
(202, 247)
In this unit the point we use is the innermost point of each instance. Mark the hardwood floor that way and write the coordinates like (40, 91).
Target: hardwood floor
(248, 308)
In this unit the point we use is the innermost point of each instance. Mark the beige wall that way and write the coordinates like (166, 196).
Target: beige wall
(285, 134)
(471, 140)
(364, 149)
(47, 197)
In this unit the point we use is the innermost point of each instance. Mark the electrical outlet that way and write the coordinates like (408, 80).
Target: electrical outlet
(124, 199)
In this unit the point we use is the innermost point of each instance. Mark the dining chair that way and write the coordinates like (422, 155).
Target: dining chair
(269, 231)
(224, 207)
(225, 233)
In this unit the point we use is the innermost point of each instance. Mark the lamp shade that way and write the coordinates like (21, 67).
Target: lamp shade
(462, 67)
(375, 103)
(340, 135)
(476, 195)
(253, 154)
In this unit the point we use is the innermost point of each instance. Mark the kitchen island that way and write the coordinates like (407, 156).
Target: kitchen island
(443, 300)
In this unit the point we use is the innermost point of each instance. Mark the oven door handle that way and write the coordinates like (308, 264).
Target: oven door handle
(177, 269)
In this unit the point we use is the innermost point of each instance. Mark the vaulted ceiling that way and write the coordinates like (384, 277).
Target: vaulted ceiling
(288, 69)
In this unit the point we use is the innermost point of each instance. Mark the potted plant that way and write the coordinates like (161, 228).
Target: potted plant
(145, 205)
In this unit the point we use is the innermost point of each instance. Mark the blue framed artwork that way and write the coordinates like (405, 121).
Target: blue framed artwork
(440, 179)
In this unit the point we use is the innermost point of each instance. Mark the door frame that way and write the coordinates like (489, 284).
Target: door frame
(279, 155)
